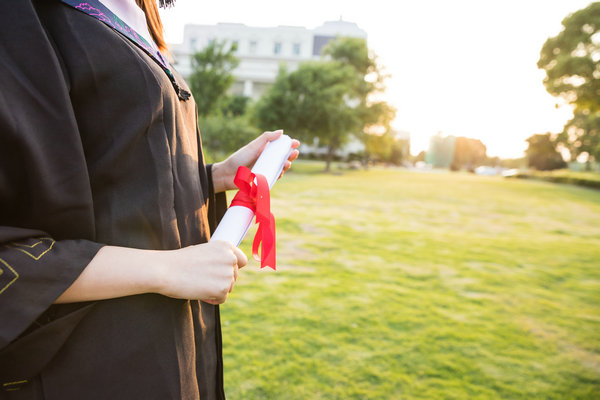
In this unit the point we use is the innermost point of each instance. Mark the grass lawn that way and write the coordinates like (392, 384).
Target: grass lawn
(403, 285)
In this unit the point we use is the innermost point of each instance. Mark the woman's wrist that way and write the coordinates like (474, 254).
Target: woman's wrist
(155, 278)
(221, 176)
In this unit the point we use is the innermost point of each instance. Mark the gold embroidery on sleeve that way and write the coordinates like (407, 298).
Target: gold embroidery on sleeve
(4, 273)
(13, 386)
(30, 248)
(37, 250)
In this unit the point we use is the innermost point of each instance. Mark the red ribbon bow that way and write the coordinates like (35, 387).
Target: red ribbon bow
(257, 197)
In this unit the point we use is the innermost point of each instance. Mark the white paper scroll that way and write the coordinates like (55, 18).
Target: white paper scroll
(237, 219)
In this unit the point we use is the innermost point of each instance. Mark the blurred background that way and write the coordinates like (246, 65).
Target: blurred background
(420, 266)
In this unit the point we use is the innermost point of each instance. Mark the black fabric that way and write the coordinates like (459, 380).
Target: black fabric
(29, 355)
(96, 149)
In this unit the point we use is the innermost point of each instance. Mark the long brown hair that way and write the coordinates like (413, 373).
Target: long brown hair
(154, 23)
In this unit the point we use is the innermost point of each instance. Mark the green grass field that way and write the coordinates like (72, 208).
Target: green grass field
(404, 285)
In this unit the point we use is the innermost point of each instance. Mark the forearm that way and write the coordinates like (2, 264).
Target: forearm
(202, 272)
(117, 272)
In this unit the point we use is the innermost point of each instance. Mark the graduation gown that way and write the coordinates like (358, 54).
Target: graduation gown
(96, 148)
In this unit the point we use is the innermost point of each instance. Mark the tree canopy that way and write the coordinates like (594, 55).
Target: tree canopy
(387, 148)
(542, 154)
(374, 115)
(222, 119)
(468, 153)
(311, 102)
(223, 135)
(212, 75)
(327, 101)
(572, 64)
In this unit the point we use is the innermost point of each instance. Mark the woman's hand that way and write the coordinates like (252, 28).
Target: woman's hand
(224, 171)
(207, 271)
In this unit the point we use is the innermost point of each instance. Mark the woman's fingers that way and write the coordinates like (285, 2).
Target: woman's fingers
(242, 260)
(235, 277)
(269, 136)
(260, 142)
(293, 156)
(239, 260)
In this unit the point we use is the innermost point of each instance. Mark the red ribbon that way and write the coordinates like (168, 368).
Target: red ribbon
(257, 197)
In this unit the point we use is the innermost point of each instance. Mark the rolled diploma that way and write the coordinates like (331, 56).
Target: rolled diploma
(237, 219)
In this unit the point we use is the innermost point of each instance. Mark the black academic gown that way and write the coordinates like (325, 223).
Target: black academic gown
(96, 149)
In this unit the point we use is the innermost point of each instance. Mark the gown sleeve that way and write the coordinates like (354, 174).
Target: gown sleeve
(46, 209)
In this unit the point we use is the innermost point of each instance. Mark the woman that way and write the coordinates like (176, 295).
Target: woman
(106, 208)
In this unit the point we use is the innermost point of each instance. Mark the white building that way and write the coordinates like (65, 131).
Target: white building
(261, 50)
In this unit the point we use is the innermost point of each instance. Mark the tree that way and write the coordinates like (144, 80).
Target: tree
(400, 149)
(468, 153)
(542, 154)
(222, 122)
(419, 157)
(222, 136)
(234, 105)
(212, 75)
(329, 100)
(386, 148)
(378, 147)
(572, 64)
(582, 134)
(311, 101)
(375, 115)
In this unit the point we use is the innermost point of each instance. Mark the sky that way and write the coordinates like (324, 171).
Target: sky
(462, 68)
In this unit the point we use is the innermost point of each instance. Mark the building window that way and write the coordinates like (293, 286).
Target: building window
(296, 49)
(253, 46)
(193, 42)
(277, 48)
